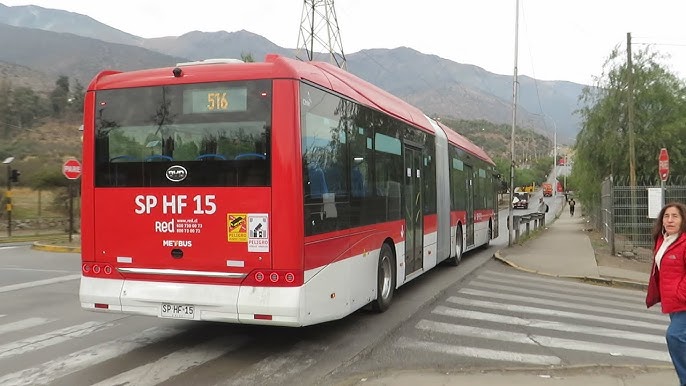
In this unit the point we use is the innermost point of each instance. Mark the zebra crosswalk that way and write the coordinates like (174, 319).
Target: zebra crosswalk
(52, 351)
(499, 318)
(524, 319)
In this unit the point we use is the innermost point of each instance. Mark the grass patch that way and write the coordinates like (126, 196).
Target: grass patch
(31, 204)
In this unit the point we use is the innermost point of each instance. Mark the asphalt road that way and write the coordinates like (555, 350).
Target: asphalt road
(500, 318)
(45, 337)
(478, 315)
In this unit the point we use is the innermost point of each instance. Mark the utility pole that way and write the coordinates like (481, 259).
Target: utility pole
(319, 31)
(8, 194)
(630, 113)
(510, 219)
(630, 130)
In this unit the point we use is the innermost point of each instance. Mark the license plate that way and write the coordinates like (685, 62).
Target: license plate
(178, 311)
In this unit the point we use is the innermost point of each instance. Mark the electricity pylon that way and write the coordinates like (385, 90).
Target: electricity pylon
(319, 32)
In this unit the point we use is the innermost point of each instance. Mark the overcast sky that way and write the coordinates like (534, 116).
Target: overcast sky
(558, 39)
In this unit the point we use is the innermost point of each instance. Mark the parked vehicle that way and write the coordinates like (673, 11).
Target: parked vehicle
(520, 200)
(547, 189)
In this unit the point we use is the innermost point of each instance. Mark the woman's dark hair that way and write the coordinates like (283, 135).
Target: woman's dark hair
(657, 226)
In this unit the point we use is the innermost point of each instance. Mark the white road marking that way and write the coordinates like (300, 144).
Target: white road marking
(51, 338)
(546, 341)
(592, 289)
(282, 365)
(36, 270)
(46, 372)
(564, 295)
(480, 353)
(563, 304)
(38, 283)
(176, 363)
(549, 325)
(23, 324)
(548, 312)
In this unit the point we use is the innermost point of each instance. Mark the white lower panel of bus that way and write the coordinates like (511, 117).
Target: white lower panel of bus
(329, 293)
(210, 302)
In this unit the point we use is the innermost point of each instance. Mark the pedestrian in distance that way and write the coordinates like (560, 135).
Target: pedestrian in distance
(667, 283)
(571, 207)
(542, 206)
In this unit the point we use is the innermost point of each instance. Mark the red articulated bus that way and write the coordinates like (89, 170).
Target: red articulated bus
(280, 192)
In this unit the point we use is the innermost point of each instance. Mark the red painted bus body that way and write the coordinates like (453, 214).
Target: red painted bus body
(280, 192)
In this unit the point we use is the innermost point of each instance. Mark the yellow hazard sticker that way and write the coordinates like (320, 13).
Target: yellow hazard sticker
(238, 230)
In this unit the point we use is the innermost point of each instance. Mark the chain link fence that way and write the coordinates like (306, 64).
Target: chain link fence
(36, 213)
(622, 216)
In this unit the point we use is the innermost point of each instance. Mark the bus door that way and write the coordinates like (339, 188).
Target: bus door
(469, 181)
(414, 218)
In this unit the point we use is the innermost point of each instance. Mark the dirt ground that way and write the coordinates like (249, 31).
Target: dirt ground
(605, 258)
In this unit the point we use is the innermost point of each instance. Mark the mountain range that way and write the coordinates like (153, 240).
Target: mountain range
(37, 45)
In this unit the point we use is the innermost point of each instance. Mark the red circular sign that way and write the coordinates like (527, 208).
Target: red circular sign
(72, 169)
(663, 164)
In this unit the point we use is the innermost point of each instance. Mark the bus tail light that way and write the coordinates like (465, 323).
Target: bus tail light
(274, 278)
(99, 270)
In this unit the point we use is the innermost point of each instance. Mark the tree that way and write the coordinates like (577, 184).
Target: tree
(28, 107)
(76, 99)
(6, 114)
(59, 97)
(247, 57)
(602, 146)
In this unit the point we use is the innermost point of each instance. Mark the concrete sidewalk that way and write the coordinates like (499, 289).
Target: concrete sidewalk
(564, 250)
(593, 376)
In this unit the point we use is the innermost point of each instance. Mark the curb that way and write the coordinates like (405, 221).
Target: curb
(616, 282)
(54, 248)
(390, 376)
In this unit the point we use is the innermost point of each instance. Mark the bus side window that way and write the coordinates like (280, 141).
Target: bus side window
(357, 183)
(317, 182)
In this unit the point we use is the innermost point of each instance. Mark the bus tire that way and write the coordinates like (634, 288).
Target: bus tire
(487, 244)
(385, 279)
(459, 249)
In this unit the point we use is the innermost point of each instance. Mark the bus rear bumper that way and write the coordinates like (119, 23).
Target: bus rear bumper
(229, 304)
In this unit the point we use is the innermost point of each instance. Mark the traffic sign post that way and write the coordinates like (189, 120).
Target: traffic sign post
(663, 171)
(72, 170)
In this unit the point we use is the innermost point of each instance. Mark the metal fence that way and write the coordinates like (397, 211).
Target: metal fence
(623, 216)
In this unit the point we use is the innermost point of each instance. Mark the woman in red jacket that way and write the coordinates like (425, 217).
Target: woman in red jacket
(668, 280)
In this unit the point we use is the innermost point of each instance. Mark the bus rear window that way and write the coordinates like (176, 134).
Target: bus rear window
(210, 134)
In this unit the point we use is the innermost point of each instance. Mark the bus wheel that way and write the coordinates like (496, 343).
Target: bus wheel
(455, 260)
(385, 282)
(488, 237)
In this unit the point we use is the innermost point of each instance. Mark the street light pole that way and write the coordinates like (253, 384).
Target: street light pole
(554, 151)
(8, 195)
(510, 219)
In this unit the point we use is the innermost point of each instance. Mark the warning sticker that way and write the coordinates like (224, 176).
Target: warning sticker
(258, 233)
(237, 226)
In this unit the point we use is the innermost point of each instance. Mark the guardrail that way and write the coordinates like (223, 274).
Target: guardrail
(523, 224)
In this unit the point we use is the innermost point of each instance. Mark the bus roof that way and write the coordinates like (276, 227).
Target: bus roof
(462, 142)
(277, 66)
(368, 94)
